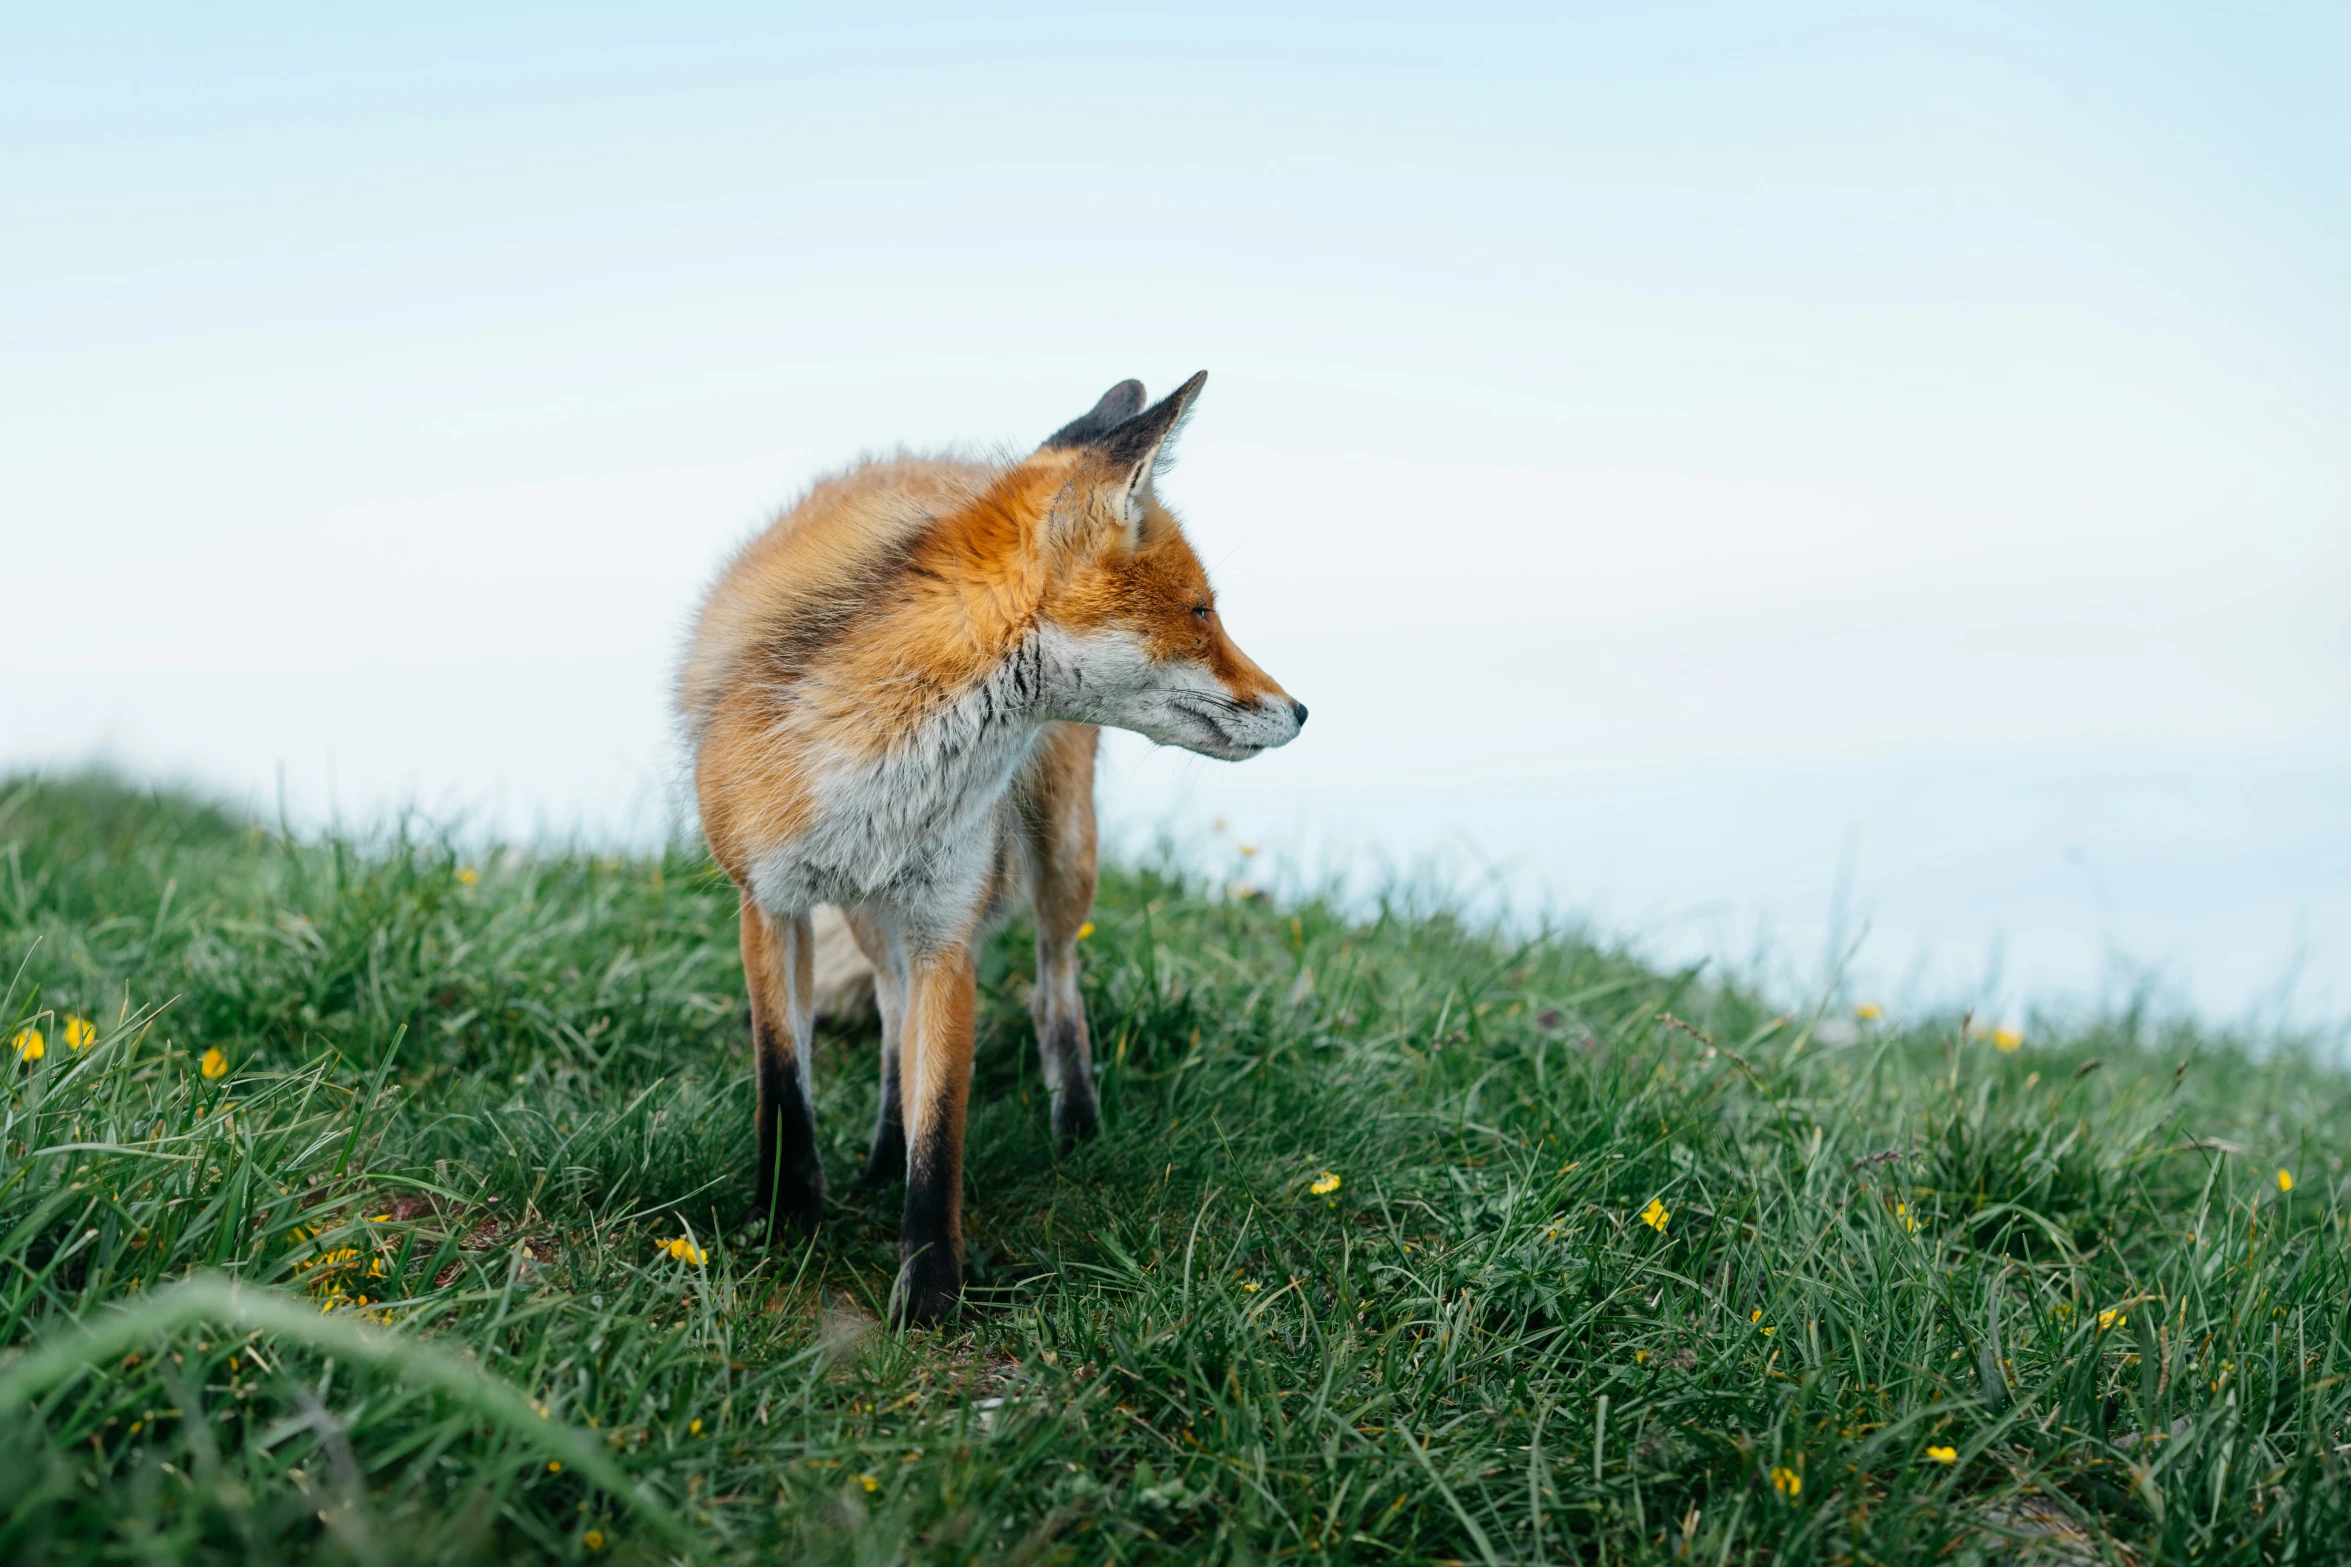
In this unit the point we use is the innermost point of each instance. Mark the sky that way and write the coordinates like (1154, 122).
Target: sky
(1859, 495)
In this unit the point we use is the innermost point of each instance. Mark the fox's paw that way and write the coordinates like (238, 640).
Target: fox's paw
(930, 1283)
(793, 1210)
(887, 1160)
(1077, 1114)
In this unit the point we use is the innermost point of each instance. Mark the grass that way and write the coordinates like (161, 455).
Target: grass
(1618, 1265)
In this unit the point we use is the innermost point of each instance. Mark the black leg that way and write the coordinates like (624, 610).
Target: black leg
(886, 1162)
(790, 1178)
(936, 1063)
(1077, 1112)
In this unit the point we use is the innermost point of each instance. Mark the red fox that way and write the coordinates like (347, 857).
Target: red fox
(892, 697)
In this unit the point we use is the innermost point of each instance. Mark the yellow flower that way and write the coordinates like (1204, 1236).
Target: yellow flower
(1909, 1220)
(214, 1063)
(694, 1429)
(1655, 1215)
(1943, 1455)
(684, 1250)
(80, 1033)
(2285, 1180)
(1247, 849)
(1756, 1315)
(1869, 1012)
(553, 1467)
(1324, 1184)
(1640, 1357)
(1085, 930)
(2112, 1318)
(29, 1045)
(869, 1482)
(593, 1539)
(2006, 1039)
(468, 876)
(1251, 1288)
(1787, 1481)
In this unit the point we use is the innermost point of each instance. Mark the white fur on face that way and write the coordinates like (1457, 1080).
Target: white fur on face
(1109, 677)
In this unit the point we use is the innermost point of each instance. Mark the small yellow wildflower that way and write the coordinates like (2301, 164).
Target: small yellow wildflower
(1640, 1357)
(1787, 1481)
(1909, 1220)
(1251, 1288)
(29, 1045)
(694, 1428)
(467, 876)
(593, 1539)
(2112, 1318)
(1085, 930)
(1943, 1455)
(554, 1467)
(2063, 1311)
(1656, 1215)
(214, 1063)
(1869, 1012)
(1247, 849)
(2006, 1040)
(1756, 1315)
(870, 1483)
(80, 1033)
(2285, 1180)
(1769, 1328)
(684, 1250)
(1324, 1184)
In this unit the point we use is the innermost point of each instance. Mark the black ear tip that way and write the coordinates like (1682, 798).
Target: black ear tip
(1121, 403)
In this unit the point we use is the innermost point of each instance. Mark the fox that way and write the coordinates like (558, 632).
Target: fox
(893, 699)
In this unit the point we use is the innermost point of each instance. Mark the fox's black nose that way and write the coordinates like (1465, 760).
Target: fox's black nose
(1298, 711)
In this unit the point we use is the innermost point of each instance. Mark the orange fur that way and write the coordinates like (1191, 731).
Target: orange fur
(891, 696)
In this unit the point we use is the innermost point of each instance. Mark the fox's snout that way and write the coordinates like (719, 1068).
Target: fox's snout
(1213, 721)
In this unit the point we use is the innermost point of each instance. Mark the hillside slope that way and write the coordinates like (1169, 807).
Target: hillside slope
(1401, 1243)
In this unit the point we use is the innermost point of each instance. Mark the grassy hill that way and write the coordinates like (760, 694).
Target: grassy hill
(376, 1212)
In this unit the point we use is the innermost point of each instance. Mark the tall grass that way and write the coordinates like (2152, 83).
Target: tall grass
(1402, 1243)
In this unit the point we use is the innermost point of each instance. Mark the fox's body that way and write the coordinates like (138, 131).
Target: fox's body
(892, 697)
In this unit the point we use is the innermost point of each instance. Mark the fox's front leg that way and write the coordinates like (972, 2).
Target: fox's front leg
(935, 1076)
(779, 970)
(1058, 817)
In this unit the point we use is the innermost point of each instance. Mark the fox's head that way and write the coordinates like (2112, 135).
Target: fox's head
(1126, 600)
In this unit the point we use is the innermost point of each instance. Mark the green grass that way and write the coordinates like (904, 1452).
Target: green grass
(467, 1097)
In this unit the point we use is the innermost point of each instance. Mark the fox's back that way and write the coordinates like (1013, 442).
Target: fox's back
(818, 567)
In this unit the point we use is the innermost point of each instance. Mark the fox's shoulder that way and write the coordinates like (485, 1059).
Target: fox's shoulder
(825, 556)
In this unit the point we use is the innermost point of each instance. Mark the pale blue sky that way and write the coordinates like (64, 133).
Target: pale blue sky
(1620, 419)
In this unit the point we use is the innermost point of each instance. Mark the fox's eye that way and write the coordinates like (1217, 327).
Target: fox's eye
(1201, 612)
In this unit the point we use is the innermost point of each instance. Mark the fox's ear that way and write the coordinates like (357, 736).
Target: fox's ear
(1138, 446)
(1117, 463)
(1121, 403)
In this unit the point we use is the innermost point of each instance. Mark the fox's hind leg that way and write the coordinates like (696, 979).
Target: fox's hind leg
(779, 970)
(1057, 816)
(886, 1162)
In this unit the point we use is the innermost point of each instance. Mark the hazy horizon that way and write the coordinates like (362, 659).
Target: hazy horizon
(1714, 468)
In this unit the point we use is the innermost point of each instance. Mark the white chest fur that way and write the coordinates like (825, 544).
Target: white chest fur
(916, 825)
